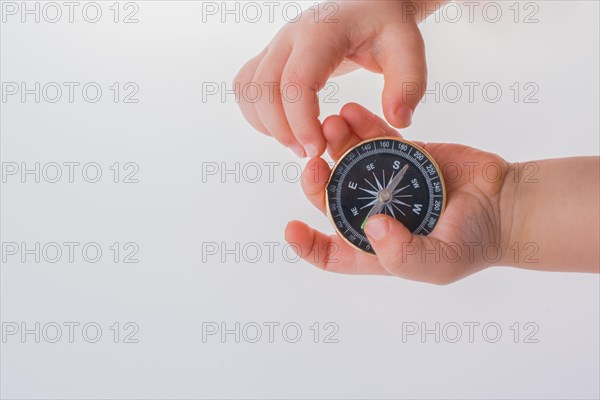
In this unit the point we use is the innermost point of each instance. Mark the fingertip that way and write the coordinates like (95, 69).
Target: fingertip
(400, 116)
(299, 236)
(329, 126)
(315, 146)
(405, 115)
(364, 124)
(337, 134)
(377, 228)
(292, 229)
(298, 150)
(311, 150)
(350, 110)
(384, 231)
(405, 75)
(314, 167)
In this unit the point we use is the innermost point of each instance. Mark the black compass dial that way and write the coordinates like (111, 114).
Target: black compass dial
(384, 176)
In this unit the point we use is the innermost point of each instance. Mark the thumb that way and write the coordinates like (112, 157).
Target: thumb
(389, 239)
(406, 255)
(405, 72)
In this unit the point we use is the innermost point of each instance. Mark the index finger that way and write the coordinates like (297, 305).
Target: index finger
(330, 252)
(306, 72)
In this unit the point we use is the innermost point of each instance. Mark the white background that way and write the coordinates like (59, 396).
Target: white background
(172, 134)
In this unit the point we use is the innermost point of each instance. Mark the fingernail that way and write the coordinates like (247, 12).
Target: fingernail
(311, 150)
(376, 228)
(299, 151)
(404, 114)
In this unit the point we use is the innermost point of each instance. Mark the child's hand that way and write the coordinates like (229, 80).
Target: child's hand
(470, 226)
(381, 36)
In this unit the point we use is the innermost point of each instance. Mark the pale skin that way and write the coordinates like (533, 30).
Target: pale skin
(545, 218)
(549, 222)
(380, 36)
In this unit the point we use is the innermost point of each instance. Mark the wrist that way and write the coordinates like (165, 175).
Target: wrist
(511, 206)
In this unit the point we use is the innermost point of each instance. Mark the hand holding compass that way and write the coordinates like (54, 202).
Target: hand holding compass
(403, 241)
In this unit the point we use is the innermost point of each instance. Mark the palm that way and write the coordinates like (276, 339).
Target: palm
(471, 210)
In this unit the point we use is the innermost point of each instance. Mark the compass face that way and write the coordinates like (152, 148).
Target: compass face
(384, 176)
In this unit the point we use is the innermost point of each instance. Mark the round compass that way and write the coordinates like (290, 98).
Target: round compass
(384, 176)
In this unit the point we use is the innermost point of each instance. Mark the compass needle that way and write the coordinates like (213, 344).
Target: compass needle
(396, 181)
(392, 177)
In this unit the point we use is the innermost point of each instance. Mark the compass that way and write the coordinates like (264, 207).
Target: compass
(384, 176)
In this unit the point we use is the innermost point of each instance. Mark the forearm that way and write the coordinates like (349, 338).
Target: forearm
(552, 208)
